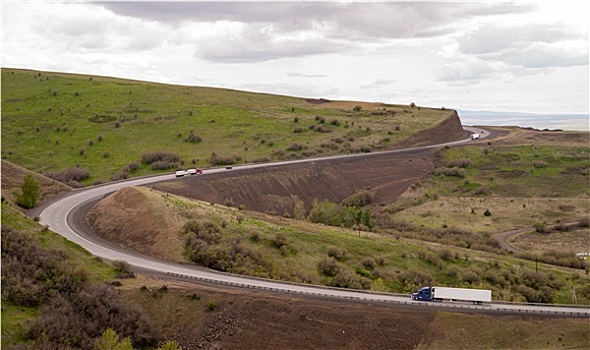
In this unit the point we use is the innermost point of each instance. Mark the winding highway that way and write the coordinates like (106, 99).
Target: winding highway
(59, 213)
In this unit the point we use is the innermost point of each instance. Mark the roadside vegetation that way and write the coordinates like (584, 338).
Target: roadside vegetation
(237, 241)
(86, 129)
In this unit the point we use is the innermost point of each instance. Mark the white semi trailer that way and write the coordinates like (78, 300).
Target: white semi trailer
(476, 296)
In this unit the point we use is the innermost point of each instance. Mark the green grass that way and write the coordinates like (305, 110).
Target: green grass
(519, 194)
(133, 118)
(14, 317)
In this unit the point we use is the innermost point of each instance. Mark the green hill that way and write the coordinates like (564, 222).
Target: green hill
(103, 126)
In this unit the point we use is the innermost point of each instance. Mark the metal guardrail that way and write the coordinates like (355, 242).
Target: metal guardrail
(582, 313)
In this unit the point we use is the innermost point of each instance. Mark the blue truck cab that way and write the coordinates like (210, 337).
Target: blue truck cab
(424, 294)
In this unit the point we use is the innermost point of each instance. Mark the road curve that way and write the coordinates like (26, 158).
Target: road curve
(58, 215)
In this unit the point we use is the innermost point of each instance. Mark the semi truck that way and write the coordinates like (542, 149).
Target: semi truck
(476, 296)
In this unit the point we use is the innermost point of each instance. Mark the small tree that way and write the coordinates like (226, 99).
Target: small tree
(30, 193)
(110, 341)
(367, 219)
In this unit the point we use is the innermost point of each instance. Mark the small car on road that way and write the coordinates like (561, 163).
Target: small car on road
(180, 173)
(196, 171)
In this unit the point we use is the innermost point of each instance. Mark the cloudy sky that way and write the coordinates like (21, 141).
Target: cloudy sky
(499, 56)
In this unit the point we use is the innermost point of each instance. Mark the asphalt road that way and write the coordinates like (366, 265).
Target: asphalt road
(60, 216)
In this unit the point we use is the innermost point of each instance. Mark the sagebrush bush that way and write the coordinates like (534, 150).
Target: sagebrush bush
(359, 199)
(454, 171)
(75, 321)
(459, 163)
(193, 138)
(217, 160)
(70, 176)
(329, 267)
(152, 157)
(337, 253)
(163, 165)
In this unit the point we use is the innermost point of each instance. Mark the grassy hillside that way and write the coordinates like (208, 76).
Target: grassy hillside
(519, 185)
(52, 121)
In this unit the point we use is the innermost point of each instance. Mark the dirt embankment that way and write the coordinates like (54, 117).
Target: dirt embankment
(133, 218)
(13, 177)
(276, 190)
(448, 130)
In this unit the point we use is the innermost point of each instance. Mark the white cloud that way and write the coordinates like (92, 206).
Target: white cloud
(504, 55)
(473, 71)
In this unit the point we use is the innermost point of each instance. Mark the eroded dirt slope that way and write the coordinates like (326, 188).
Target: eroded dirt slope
(13, 177)
(132, 218)
(275, 190)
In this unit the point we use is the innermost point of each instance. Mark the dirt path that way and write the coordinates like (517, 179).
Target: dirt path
(502, 237)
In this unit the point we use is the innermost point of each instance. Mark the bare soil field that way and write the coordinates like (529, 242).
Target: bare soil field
(212, 317)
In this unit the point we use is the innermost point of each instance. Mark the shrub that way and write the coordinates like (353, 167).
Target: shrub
(357, 108)
(217, 160)
(454, 171)
(30, 273)
(324, 212)
(459, 163)
(211, 306)
(122, 175)
(369, 263)
(132, 166)
(280, 240)
(540, 227)
(123, 269)
(337, 253)
(346, 279)
(329, 267)
(298, 130)
(296, 147)
(152, 157)
(75, 321)
(487, 212)
(540, 164)
(193, 138)
(70, 176)
(29, 192)
(360, 199)
(162, 165)
(483, 190)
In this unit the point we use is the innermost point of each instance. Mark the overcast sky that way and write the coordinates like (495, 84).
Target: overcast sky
(500, 56)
